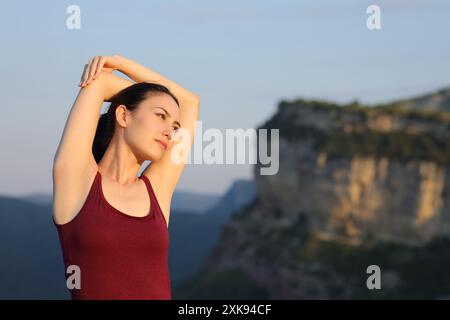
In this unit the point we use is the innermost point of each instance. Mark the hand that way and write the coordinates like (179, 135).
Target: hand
(96, 65)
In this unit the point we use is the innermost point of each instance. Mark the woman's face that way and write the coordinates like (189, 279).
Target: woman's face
(155, 119)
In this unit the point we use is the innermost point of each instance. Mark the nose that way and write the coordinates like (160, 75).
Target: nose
(168, 133)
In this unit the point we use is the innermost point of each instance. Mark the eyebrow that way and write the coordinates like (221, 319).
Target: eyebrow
(175, 122)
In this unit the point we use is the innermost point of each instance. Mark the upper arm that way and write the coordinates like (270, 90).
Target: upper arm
(75, 146)
(165, 172)
(74, 163)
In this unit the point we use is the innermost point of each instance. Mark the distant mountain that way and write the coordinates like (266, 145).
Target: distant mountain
(240, 194)
(193, 236)
(38, 198)
(30, 258)
(193, 202)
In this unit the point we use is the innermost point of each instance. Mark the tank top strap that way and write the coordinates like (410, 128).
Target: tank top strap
(153, 197)
(149, 187)
(96, 187)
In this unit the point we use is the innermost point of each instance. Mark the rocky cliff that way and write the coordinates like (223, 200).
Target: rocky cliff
(359, 183)
(359, 172)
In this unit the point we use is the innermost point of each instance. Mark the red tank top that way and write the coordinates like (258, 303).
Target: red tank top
(119, 256)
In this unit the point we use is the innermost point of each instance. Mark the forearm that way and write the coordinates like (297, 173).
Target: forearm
(139, 73)
(112, 84)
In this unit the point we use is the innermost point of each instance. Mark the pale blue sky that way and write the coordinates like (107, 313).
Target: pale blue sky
(240, 57)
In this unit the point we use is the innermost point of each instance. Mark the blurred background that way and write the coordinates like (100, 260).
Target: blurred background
(362, 102)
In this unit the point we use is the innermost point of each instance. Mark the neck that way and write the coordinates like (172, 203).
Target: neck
(119, 164)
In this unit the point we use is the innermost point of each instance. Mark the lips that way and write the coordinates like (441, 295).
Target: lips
(162, 144)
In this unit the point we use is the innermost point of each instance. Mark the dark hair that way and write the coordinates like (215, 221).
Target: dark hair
(131, 97)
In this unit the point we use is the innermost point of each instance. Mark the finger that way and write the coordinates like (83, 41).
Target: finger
(86, 73)
(100, 64)
(93, 69)
(82, 75)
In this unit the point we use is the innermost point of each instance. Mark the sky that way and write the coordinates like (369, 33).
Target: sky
(240, 57)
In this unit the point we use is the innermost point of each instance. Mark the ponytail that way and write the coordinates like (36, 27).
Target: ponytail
(103, 135)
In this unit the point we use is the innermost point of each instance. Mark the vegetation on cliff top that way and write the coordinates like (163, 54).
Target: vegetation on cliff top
(336, 143)
(365, 111)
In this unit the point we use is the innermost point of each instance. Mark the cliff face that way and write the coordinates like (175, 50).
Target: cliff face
(358, 197)
(359, 173)
(350, 175)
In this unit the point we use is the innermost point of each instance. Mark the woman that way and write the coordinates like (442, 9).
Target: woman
(112, 224)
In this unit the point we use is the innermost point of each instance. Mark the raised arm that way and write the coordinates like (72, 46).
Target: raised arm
(74, 164)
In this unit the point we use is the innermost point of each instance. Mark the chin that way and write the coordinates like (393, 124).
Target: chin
(156, 154)
(150, 155)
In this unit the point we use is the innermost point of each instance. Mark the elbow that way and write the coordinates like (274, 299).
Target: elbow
(191, 100)
(196, 99)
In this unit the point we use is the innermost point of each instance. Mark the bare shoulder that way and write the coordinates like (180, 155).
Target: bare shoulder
(70, 191)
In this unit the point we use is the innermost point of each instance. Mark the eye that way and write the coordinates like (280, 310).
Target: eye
(163, 115)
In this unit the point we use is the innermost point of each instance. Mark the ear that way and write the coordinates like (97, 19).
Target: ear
(122, 115)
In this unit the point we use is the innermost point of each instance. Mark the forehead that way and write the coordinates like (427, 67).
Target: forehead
(164, 101)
